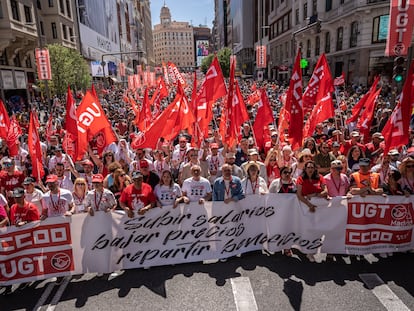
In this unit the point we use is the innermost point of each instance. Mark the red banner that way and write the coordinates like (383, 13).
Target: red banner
(44, 71)
(261, 56)
(400, 27)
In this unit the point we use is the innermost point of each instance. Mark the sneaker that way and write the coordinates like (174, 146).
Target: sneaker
(59, 280)
(310, 257)
(329, 257)
(99, 275)
(383, 255)
(390, 254)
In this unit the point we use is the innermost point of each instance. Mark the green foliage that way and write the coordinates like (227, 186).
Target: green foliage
(224, 59)
(68, 67)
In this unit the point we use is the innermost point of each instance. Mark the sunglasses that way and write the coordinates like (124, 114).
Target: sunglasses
(338, 168)
(287, 173)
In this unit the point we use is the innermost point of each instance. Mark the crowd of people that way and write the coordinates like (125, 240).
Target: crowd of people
(332, 162)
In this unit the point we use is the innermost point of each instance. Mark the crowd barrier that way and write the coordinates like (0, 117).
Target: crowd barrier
(111, 241)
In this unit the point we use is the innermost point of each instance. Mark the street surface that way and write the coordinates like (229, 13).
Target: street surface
(254, 281)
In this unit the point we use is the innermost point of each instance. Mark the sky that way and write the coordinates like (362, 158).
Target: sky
(195, 12)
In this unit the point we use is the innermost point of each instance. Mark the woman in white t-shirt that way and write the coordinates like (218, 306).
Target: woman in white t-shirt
(32, 194)
(167, 191)
(80, 188)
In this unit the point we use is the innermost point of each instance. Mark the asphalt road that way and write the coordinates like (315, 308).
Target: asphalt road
(254, 281)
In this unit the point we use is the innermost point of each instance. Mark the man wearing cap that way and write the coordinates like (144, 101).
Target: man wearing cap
(196, 188)
(32, 194)
(99, 199)
(228, 187)
(137, 196)
(273, 142)
(394, 156)
(215, 160)
(363, 182)
(22, 211)
(375, 147)
(337, 183)
(148, 176)
(140, 156)
(60, 157)
(354, 140)
(56, 202)
(10, 178)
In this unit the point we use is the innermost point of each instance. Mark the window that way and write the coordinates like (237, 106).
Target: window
(317, 45)
(51, 5)
(328, 42)
(42, 28)
(297, 16)
(314, 7)
(61, 7)
(339, 38)
(15, 10)
(353, 39)
(54, 31)
(380, 29)
(305, 11)
(328, 5)
(28, 14)
(308, 48)
(68, 9)
(71, 37)
(65, 33)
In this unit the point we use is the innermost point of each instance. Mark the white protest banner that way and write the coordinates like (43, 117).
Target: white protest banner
(111, 241)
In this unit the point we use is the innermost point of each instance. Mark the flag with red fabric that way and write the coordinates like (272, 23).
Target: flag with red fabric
(71, 126)
(13, 134)
(160, 93)
(4, 120)
(177, 77)
(293, 105)
(323, 110)
(356, 110)
(49, 127)
(364, 122)
(91, 120)
(35, 150)
(320, 84)
(396, 129)
(340, 80)
(145, 113)
(264, 117)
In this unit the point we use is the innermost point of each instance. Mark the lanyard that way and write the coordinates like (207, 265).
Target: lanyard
(97, 203)
(55, 205)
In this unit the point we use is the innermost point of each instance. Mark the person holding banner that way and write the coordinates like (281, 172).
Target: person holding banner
(22, 212)
(407, 175)
(167, 191)
(285, 184)
(337, 183)
(137, 197)
(253, 183)
(99, 199)
(80, 188)
(57, 201)
(364, 182)
(227, 188)
(196, 188)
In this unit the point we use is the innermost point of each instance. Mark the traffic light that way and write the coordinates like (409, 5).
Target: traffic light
(398, 71)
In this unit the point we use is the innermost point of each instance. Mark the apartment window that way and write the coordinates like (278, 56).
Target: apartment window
(328, 5)
(16, 61)
(42, 28)
(61, 7)
(342, 2)
(308, 48)
(68, 9)
(39, 5)
(339, 38)
(28, 14)
(353, 40)
(328, 42)
(15, 10)
(1, 10)
(65, 33)
(314, 7)
(379, 29)
(317, 45)
(297, 16)
(71, 37)
(3, 58)
(305, 11)
(51, 5)
(54, 31)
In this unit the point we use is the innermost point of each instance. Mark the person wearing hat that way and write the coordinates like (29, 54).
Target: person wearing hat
(196, 188)
(353, 141)
(63, 158)
(87, 172)
(337, 183)
(253, 183)
(215, 160)
(99, 199)
(375, 147)
(137, 197)
(406, 169)
(32, 194)
(364, 182)
(227, 188)
(254, 157)
(56, 202)
(272, 143)
(324, 158)
(10, 178)
(335, 149)
(297, 167)
(148, 176)
(394, 157)
(22, 212)
(242, 153)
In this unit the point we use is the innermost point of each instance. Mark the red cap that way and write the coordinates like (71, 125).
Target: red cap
(143, 163)
(87, 162)
(51, 178)
(97, 178)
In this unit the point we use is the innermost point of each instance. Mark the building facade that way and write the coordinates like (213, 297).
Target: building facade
(174, 41)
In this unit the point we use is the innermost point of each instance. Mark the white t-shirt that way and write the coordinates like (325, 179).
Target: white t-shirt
(36, 198)
(57, 204)
(166, 194)
(196, 189)
(100, 201)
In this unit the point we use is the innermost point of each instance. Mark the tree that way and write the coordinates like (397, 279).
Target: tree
(68, 67)
(224, 59)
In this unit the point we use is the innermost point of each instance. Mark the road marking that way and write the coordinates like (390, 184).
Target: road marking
(44, 296)
(243, 294)
(384, 294)
(59, 293)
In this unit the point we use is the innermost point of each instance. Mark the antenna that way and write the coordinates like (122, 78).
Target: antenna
(205, 20)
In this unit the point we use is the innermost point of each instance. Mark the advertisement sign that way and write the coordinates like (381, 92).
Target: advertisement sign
(261, 56)
(7, 79)
(202, 47)
(44, 71)
(20, 78)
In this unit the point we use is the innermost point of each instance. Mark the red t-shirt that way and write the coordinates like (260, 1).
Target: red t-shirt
(137, 199)
(310, 186)
(28, 212)
(9, 182)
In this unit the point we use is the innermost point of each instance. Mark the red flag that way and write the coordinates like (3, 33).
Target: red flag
(135, 108)
(160, 93)
(145, 113)
(264, 117)
(340, 80)
(319, 85)
(13, 135)
(234, 113)
(364, 122)
(323, 110)
(91, 120)
(185, 119)
(4, 120)
(35, 150)
(176, 74)
(356, 110)
(49, 127)
(293, 105)
(93, 91)
(71, 125)
(397, 127)
(167, 125)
